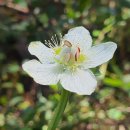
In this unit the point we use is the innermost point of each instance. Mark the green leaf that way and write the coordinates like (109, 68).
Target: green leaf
(15, 100)
(115, 114)
(22, 3)
(20, 88)
(28, 114)
(113, 82)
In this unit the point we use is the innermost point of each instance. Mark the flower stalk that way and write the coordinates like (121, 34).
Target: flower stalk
(59, 110)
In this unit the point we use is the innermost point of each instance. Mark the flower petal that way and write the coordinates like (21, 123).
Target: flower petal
(81, 82)
(43, 53)
(45, 74)
(79, 36)
(100, 54)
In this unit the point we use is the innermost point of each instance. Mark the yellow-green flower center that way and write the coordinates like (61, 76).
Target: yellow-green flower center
(68, 58)
(57, 50)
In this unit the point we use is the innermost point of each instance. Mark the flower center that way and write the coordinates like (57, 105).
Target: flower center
(69, 56)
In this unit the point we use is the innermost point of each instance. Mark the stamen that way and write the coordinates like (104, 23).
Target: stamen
(79, 49)
(60, 36)
(46, 43)
(70, 56)
(76, 57)
(67, 43)
(56, 39)
(77, 54)
(50, 43)
(54, 42)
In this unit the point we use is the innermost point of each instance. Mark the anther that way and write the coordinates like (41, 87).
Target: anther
(67, 43)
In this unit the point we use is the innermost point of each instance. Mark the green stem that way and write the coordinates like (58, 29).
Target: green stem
(59, 110)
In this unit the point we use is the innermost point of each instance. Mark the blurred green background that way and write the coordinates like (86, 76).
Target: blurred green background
(25, 105)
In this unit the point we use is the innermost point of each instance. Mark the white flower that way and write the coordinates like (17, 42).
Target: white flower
(69, 61)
